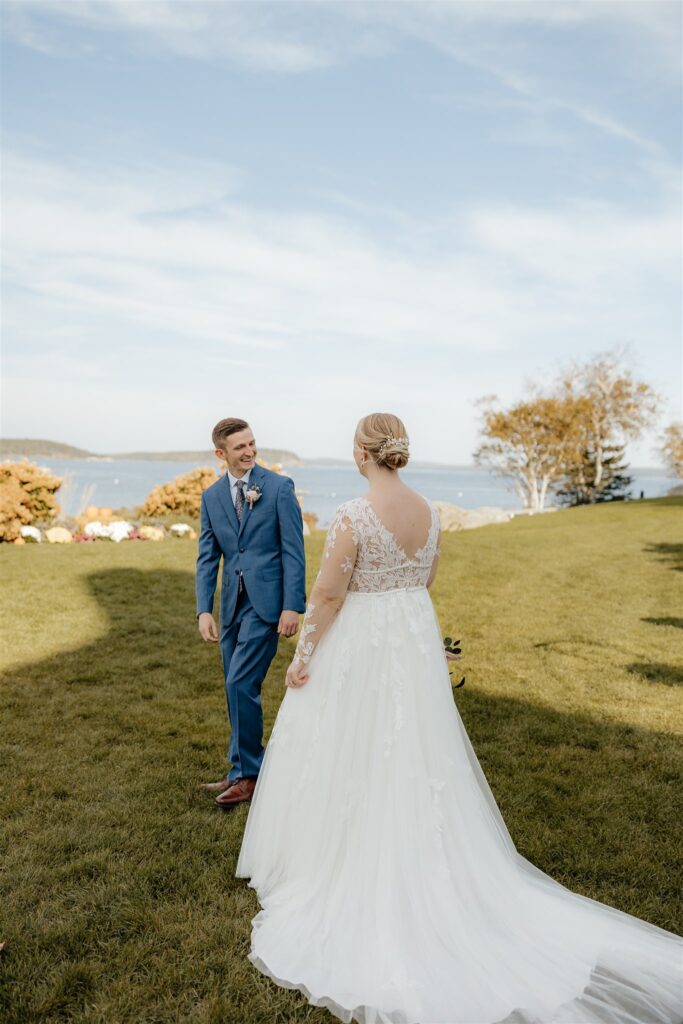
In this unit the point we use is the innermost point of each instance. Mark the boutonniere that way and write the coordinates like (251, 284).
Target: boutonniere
(253, 494)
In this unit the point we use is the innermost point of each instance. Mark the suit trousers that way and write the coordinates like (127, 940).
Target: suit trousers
(248, 645)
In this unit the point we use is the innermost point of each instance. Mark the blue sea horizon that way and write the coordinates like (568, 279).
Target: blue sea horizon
(125, 483)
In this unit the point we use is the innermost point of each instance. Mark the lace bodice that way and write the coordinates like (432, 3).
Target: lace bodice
(361, 555)
(381, 564)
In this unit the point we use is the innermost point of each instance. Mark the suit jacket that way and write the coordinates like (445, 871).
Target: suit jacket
(267, 547)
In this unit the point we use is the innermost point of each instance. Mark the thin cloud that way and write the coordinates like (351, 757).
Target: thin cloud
(250, 38)
(296, 38)
(492, 278)
(299, 37)
(161, 289)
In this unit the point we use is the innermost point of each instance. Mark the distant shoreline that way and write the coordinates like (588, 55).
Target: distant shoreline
(42, 449)
(19, 448)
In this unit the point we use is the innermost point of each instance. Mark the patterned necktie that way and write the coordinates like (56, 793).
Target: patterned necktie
(239, 499)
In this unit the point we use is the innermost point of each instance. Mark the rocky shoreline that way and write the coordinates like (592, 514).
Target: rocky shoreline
(453, 517)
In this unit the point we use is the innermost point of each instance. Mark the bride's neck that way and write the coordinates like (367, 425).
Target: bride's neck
(384, 481)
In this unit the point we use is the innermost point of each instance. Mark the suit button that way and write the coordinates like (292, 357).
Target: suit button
(242, 550)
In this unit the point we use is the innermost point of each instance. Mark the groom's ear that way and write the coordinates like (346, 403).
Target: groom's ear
(220, 455)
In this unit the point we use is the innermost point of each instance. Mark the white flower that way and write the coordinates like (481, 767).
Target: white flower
(116, 531)
(119, 530)
(180, 528)
(31, 533)
(94, 529)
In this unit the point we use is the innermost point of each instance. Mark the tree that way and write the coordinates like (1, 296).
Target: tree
(530, 442)
(578, 486)
(671, 449)
(572, 438)
(617, 408)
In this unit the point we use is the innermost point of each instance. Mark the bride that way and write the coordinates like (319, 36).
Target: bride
(391, 891)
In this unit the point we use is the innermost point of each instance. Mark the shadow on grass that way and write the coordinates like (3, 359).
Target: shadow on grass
(652, 672)
(668, 553)
(655, 672)
(120, 898)
(587, 650)
(665, 620)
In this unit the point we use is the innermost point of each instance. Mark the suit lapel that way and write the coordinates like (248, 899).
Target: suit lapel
(226, 501)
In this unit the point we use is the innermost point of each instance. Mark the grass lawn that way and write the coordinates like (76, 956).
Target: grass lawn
(119, 900)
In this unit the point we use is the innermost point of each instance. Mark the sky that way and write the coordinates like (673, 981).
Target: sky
(300, 213)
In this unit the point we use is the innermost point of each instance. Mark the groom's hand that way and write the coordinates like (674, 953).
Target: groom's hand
(288, 624)
(207, 627)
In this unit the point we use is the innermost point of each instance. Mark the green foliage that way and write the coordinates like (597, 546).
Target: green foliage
(119, 899)
(580, 485)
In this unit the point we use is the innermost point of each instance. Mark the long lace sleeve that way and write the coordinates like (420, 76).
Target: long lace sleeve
(435, 562)
(331, 584)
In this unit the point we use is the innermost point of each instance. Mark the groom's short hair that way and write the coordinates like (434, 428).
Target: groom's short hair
(224, 428)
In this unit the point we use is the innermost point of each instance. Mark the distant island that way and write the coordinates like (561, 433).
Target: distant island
(23, 447)
(414, 463)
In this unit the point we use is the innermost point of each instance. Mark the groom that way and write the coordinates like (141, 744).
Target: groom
(252, 519)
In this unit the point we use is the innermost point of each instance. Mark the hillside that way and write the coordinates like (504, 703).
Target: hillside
(269, 454)
(22, 447)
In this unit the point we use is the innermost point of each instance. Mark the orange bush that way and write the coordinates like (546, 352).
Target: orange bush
(182, 495)
(27, 496)
(311, 518)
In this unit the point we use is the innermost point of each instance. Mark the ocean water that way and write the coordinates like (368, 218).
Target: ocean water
(126, 483)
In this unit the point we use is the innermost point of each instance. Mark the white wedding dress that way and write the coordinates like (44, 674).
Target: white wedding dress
(391, 890)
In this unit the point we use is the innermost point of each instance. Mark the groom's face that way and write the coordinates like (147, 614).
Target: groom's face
(238, 452)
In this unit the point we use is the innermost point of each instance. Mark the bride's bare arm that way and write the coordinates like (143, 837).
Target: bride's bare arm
(327, 595)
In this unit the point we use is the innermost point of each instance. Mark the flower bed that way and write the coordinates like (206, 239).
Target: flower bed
(104, 529)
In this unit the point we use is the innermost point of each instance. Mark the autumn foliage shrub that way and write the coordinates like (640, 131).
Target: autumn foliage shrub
(671, 449)
(182, 495)
(27, 496)
(312, 519)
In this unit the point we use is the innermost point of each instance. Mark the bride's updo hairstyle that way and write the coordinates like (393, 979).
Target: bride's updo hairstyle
(385, 438)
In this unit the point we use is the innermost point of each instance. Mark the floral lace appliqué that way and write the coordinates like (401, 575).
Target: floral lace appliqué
(361, 556)
(381, 564)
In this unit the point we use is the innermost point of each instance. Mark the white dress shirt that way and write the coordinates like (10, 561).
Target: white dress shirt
(233, 484)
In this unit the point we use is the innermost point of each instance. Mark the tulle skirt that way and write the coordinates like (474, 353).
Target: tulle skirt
(390, 889)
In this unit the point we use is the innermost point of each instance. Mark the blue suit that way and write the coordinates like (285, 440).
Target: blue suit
(267, 549)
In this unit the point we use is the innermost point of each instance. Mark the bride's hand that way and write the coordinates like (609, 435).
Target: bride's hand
(297, 674)
(452, 649)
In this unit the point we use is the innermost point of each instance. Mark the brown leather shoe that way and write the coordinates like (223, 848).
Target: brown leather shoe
(219, 786)
(240, 791)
